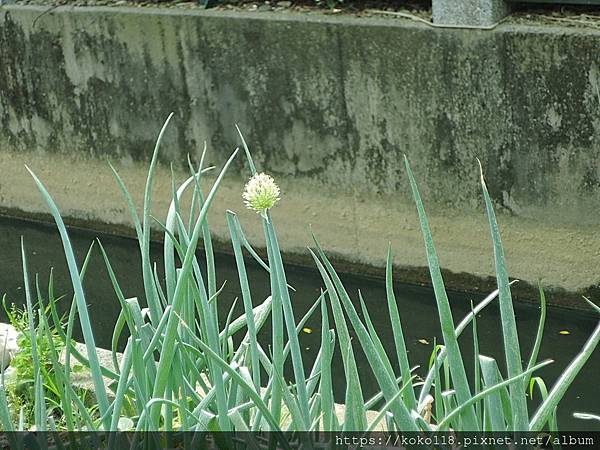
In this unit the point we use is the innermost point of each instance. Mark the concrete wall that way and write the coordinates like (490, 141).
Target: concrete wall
(329, 105)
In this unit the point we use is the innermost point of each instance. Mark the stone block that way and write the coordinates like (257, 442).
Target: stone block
(470, 13)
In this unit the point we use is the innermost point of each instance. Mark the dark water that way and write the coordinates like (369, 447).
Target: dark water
(416, 304)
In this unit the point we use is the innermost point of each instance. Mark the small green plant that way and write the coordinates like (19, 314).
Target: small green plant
(182, 371)
(22, 372)
(21, 360)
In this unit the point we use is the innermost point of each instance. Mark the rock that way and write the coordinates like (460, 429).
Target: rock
(474, 13)
(8, 344)
(10, 376)
(284, 4)
(81, 377)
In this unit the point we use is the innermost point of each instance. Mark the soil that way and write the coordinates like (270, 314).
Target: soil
(564, 15)
(571, 16)
(419, 8)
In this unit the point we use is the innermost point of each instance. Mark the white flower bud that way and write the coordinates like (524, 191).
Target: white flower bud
(261, 193)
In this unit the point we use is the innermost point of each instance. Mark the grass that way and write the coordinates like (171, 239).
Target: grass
(182, 371)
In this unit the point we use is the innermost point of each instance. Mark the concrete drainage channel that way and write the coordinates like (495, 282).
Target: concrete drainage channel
(96, 83)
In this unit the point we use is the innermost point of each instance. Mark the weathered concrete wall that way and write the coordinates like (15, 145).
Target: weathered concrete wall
(329, 106)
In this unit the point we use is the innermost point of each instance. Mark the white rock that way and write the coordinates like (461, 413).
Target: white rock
(8, 344)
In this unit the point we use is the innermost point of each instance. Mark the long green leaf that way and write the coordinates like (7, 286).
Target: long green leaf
(538, 337)
(539, 382)
(383, 411)
(121, 386)
(166, 355)
(586, 416)
(169, 241)
(149, 286)
(5, 415)
(40, 419)
(401, 352)
(544, 412)
(326, 384)
(278, 271)
(208, 247)
(493, 402)
(246, 297)
(84, 319)
(249, 389)
(476, 368)
(483, 394)
(286, 350)
(378, 361)
(592, 304)
(248, 155)
(355, 417)
(459, 329)
(132, 210)
(457, 367)
(354, 412)
(277, 325)
(507, 315)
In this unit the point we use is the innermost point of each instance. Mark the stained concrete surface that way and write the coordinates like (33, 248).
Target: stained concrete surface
(354, 228)
(329, 106)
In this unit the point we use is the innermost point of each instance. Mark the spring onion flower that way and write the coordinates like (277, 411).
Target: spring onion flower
(261, 193)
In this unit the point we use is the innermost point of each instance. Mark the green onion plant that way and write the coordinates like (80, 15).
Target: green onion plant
(182, 369)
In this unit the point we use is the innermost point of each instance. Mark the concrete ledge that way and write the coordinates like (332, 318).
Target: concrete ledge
(329, 105)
